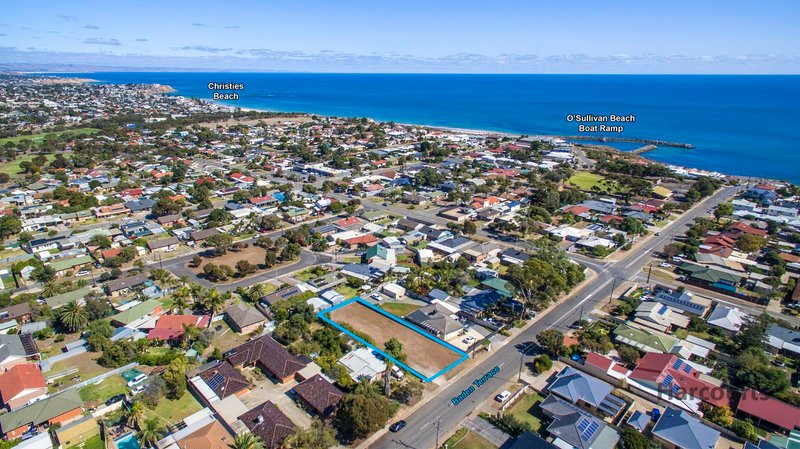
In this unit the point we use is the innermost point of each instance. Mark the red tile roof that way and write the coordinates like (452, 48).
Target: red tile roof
(269, 423)
(20, 378)
(361, 240)
(269, 354)
(170, 327)
(658, 368)
(599, 361)
(747, 229)
(320, 394)
(350, 221)
(769, 409)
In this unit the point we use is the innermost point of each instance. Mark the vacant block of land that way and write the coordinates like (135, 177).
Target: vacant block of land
(424, 355)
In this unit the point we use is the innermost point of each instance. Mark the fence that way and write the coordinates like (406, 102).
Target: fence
(510, 402)
(102, 377)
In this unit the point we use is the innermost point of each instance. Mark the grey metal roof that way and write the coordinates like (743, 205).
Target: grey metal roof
(579, 428)
(684, 430)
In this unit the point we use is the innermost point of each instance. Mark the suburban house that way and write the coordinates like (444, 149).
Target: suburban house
(319, 394)
(244, 318)
(200, 236)
(573, 427)
(436, 319)
(728, 318)
(57, 409)
(281, 295)
(17, 349)
(211, 435)
(137, 314)
(644, 339)
(124, 286)
(684, 301)
(223, 379)
(171, 328)
(677, 429)
(22, 384)
(673, 377)
(269, 424)
(660, 317)
(78, 296)
(270, 356)
(783, 340)
(586, 392)
(163, 245)
(362, 363)
(20, 313)
(767, 411)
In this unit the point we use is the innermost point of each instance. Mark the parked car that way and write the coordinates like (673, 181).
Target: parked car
(503, 396)
(137, 390)
(665, 265)
(376, 296)
(137, 380)
(114, 399)
(396, 427)
(81, 273)
(469, 340)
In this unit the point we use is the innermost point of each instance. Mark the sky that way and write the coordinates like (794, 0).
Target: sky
(466, 36)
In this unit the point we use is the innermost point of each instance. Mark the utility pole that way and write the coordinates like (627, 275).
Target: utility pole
(613, 286)
(438, 422)
(519, 377)
(649, 272)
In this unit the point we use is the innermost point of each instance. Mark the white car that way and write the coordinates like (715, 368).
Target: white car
(502, 396)
(375, 296)
(665, 265)
(137, 390)
(81, 273)
(469, 340)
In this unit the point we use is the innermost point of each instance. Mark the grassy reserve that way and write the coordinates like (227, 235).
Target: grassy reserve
(39, 138)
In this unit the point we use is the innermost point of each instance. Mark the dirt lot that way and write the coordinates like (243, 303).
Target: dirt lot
(252, 254)
(423, 355)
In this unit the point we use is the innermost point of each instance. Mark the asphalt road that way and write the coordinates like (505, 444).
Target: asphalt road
(421, 431)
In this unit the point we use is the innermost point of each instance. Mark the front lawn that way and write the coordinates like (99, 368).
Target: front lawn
(399, 308)
(473, 441)
(98, 393)
(585, 180)
(171, 411)
(347, 291)
(94, 442)
(527, 410)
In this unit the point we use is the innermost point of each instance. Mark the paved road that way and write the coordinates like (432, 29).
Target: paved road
(307, 258)
(421, 430)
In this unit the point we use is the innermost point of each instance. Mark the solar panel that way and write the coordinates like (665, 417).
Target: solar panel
(662, 310)
(219, 378)
(687, 368)
(675, 389)
(583, 425)
(212, 383)
(587, 435)
(677, 364)
(667, 380)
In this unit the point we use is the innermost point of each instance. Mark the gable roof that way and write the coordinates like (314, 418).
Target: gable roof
(136, 312)
(576, 386)
(769, 409)
(169, 327)
(268, 353)
(17, 346)
(211, 436)
(578, 428)
(320, 394)
(127, 282)
(244, 315)
(269, 423)
(59, 300)
(678, 377)
(648, 341)
(683, 430)
(41, 411)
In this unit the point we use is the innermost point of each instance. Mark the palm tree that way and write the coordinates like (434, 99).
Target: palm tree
(51, 289)
(196, 290)
(247, 440)
(151, 431)
(74, 316)
(136, 415)
(214, 302)
(181, 299)
(256, 292)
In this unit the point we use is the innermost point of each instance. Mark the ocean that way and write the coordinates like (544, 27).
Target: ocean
(741, 125)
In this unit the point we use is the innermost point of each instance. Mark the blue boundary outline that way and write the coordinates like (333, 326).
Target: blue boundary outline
(323, 315)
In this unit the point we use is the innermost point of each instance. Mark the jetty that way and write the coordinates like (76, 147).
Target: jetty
(644, 149)
(660, 143)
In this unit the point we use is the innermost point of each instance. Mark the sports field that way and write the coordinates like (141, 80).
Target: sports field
(39, 138)
(426, 354)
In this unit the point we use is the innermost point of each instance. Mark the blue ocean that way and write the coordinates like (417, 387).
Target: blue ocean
(742, 125)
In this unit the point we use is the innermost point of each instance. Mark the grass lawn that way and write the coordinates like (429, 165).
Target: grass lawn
(347, 291)
(473, 441)
(350, 259)
(94, 442)
(307, 275)
(98, 393)
(399, 308)
(585, 180)
(38, 138)
(226, 338)
(170, 412)
(526, 409)
(85, 363)
(12, 168)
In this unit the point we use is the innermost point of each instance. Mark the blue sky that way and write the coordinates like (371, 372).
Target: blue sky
(495, 36)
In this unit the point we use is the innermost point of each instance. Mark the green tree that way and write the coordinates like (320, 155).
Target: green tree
(551, 340)
(628, 354)
(542, 363)
(136, 415)
(723, 210)
(220, 242)
(394, 348)
(318, 436)
(753, 332)
(9, 225)
(73, 316)
(175, 378)
(151, 431)
(361, 414)
(166, 206)
(100, 241)
(631, 438)
(750, 243)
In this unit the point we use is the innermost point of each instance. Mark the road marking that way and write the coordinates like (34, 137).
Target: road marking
(580, 303)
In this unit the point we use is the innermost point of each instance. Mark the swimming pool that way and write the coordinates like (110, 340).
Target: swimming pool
(127, 441)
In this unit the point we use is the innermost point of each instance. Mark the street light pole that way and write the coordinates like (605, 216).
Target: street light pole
(438, 421)
(649, 272)
(521, 358)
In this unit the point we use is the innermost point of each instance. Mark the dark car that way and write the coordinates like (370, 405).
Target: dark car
(396, 427)
(114, 399)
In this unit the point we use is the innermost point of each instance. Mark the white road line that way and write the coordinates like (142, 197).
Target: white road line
(589, 296)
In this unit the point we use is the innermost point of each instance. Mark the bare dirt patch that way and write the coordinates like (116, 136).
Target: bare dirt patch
(422, 354)
(253, 254)
(251, 122)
